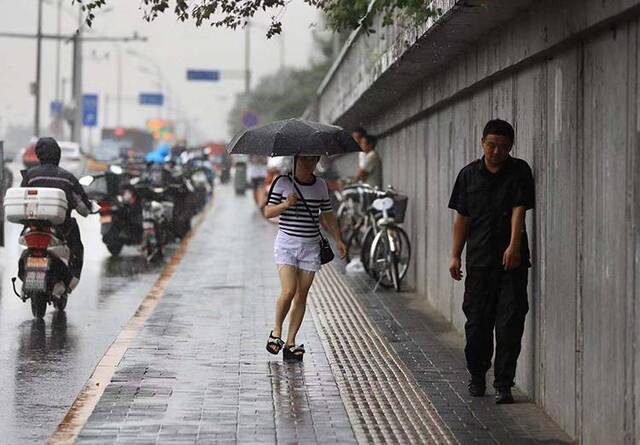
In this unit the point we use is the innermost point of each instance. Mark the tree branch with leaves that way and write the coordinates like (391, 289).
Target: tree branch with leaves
(341, 15)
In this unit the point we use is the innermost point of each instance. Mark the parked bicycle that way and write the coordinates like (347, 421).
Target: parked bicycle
(385, 249)
(354, 200)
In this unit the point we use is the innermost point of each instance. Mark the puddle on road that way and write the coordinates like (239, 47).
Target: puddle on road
(224, 287)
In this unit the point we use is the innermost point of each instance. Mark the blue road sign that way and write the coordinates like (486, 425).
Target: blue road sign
(56, 107)
(90, 110)
(249, 119)
(206, 75)
(156, 99)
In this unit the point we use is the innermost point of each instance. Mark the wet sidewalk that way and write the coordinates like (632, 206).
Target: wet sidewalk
(374, 372)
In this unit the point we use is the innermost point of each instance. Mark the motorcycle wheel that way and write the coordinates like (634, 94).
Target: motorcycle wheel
(38, 305)
(114, 248)
(153, 252)
(61, 303)
(182, 226)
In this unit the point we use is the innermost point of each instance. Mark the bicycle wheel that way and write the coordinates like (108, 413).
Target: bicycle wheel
(380, 261)
(402, 249)
(347, 220)
(390, 266)
(395, 278)
(365, 250)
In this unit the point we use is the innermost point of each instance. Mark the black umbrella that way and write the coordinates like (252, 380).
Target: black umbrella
(293, 137)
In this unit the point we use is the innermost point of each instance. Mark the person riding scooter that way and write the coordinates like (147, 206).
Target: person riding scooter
(48, 174)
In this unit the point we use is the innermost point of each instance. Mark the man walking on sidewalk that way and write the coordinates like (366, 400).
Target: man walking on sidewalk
(490, 197)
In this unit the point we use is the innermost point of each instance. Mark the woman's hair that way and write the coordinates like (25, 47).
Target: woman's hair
(298, 157)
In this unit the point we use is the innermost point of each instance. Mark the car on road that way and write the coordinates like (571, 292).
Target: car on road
(71, 155)
(70, 151)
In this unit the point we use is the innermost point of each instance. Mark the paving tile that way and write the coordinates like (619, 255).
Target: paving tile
(198, 371)
(434, 354)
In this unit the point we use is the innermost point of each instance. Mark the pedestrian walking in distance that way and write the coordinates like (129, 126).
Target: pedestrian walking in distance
(490, 197)
(301, 201)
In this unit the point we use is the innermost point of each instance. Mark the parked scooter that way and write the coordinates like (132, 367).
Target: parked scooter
(180, 199)
(181, 194)
(120, 208)
(240, 177)
(43, 267)
(155, 218)
(202, 177)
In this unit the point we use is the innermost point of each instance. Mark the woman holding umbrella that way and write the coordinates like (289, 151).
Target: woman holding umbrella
(297, 248)
(302, 202)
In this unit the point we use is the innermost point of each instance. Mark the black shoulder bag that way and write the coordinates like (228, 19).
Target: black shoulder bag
(326, 253)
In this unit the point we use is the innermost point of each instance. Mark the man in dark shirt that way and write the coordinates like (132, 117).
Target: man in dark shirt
(490, 197)
(49, 174)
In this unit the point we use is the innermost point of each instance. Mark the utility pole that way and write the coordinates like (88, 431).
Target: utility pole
(36, 120)
(105, 111)
(58, 30)
(247, 58)
(76, 88)
(119, 86)
(76, 80)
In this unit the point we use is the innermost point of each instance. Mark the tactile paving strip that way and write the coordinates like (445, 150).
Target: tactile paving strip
(383, 400)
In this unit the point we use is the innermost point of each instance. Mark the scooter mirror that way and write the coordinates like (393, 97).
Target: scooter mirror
(116, 169)
(86, 180)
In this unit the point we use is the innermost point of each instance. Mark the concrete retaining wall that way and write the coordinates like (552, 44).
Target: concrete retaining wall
(566, 75)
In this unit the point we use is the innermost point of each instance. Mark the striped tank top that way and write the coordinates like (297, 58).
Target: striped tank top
(296, 221)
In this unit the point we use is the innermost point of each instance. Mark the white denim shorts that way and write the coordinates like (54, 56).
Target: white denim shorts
(301, 253)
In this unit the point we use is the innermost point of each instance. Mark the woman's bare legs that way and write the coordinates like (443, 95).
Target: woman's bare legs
(305, 279)
(288, 283)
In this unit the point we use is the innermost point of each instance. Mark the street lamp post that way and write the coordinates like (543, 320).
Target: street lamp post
(36, 120)
(76, 86)
(58, 43)
(247, 58)
(119, 85)
(158, 72)
(160, 84)
(76, 81)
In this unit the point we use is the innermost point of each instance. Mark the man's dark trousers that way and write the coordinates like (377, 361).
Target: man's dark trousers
(494, 298)
(74, 242)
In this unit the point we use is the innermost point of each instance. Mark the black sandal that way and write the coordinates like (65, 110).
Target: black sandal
(293, 352)
(274, 344)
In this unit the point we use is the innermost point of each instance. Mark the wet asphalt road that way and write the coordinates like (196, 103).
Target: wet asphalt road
(44, 364)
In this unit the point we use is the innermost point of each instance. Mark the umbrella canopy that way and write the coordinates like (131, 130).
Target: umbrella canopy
(293, 137)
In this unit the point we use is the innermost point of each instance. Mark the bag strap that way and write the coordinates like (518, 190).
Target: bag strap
(273, 185)
(304, 201)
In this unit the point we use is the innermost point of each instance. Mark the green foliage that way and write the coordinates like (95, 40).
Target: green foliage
(350, 14)
(341, 14)
(288, 92)
(281, 95)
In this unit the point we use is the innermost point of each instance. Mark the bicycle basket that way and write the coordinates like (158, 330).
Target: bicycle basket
(399, 207)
